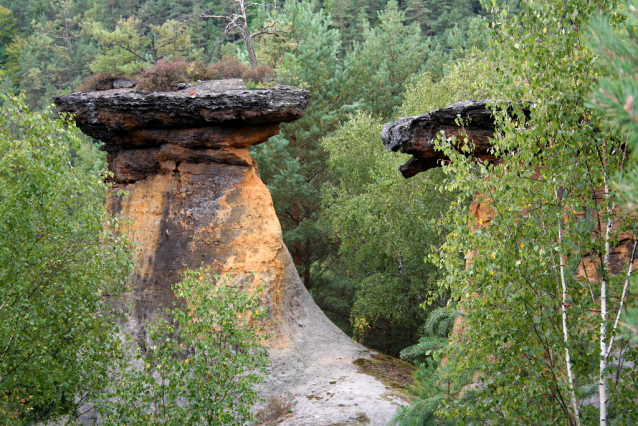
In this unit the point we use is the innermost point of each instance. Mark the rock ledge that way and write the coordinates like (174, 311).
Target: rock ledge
(416, 135)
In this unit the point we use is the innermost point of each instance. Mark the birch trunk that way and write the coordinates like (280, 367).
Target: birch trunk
(563, 308)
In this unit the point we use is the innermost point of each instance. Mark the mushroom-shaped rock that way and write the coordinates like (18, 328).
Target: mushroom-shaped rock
(193, 195)
(417, 135)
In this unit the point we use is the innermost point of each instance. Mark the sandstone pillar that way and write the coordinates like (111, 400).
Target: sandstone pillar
(193, 196)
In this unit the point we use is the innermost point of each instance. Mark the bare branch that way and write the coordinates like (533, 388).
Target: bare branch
(267, 5)
(265, 30)
(203, 15)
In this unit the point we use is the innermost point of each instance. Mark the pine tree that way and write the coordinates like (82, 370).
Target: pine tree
(417, 12)
(378, 67)
(293, 163)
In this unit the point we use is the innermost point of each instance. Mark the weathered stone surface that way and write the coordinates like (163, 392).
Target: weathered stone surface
(416, 135)
(111, 116)
(194, 195)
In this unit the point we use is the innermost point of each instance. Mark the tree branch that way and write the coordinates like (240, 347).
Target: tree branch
(265, 30)
(622, 299)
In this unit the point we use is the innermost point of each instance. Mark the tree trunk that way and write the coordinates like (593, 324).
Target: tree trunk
(307, 262)
(252, 57)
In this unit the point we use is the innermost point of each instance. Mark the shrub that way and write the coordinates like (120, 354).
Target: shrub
(99, 81)
(57, 333)
(163, 76)
(229, 67)
(260, 74)
(276, 407)
(201, 71)
(199, 370)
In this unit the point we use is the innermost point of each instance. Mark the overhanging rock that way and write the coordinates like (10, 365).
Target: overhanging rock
(194, 195)
(417, 135)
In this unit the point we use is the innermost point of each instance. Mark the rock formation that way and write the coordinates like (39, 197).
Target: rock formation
(416, 135)
(194, 196)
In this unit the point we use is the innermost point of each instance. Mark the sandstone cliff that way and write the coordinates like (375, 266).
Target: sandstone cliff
(194, 196)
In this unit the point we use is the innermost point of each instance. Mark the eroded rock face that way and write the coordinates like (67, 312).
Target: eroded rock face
(416, 135)
(194, 196)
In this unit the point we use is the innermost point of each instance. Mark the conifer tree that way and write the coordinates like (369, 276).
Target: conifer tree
(378, 67)
(293, 163)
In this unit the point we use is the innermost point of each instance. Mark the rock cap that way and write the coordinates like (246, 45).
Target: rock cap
(127, 118)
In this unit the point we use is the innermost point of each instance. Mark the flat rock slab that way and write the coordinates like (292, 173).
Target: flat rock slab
(111, 115)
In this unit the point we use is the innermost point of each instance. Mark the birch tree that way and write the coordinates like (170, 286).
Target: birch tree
(57, 331)
(546, 290)
(616, 97)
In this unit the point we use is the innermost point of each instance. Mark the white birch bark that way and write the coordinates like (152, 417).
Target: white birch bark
(563, 308)
(602, 384)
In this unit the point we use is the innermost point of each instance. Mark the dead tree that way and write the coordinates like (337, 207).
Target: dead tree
(239, 22)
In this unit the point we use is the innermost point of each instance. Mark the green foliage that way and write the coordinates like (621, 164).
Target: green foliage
(429, 386)
(535, 322)
(441, 321)
(468, 79)
(617, 45)
(123, 51)
(615, 39)
(430, 396)
(202, 368)
(8, 30)
(51, 60)
(386, 224)
(465, 37)
(378, 67)
(135, 45)
(57, 261)
(436, 331)
(293, 164)
(88, 158)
